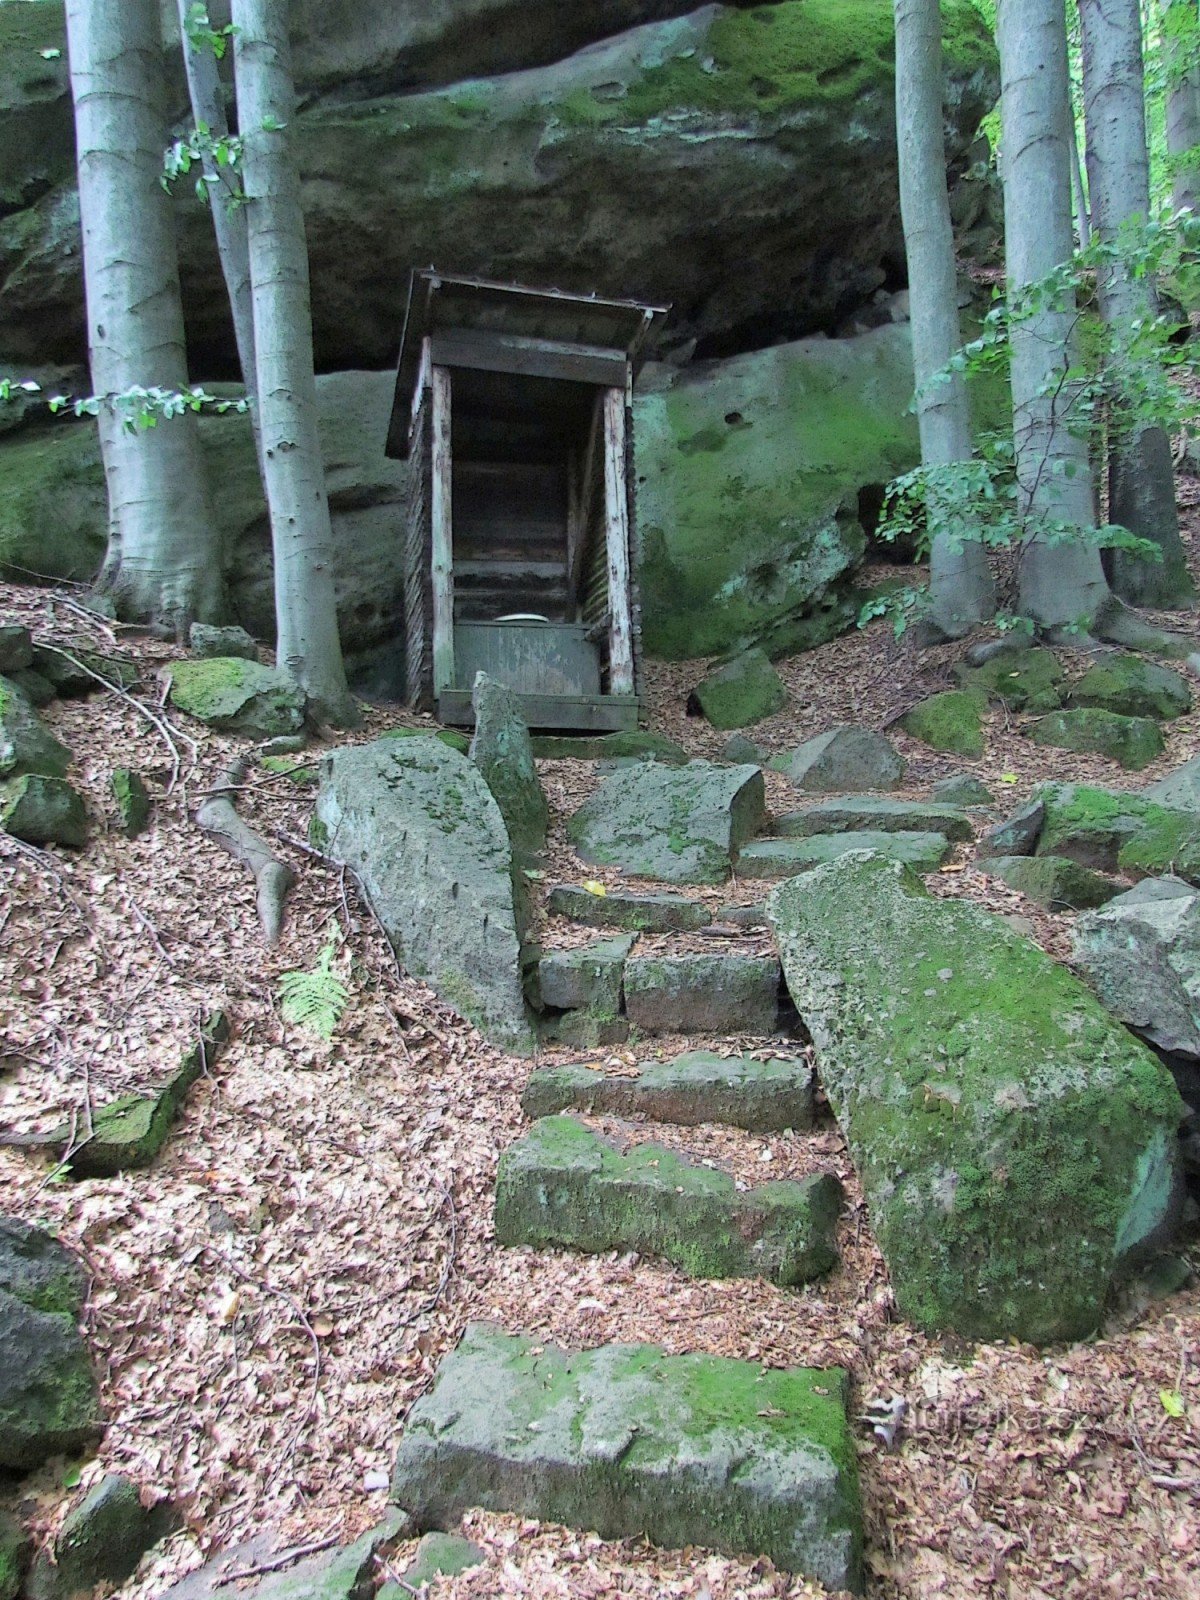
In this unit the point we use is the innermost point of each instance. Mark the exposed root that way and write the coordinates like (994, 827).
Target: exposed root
(273, 878)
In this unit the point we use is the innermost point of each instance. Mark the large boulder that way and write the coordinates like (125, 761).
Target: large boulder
(655, 163)
(675, 824)
(48, 1401)
(635, 1443)
(237, 696)
(1016, 1145)
(421, 830)
(1141, 954)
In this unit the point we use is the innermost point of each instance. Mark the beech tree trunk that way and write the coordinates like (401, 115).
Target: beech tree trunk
(229, 219)
(164, 558)
(1062, 582)
(1141, 471)
(308, 646)
(961, 588)
(1182, 55)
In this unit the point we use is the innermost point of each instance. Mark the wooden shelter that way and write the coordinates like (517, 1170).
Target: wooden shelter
(513, 406)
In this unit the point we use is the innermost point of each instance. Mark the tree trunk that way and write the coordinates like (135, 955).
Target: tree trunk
(229, 217)
(961, 588)
(1180, 52)
(308, 647)
(164, 563)
(1142, 476)
(1061, 578)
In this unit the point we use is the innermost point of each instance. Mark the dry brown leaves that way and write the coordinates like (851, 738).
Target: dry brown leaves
(275, 1293)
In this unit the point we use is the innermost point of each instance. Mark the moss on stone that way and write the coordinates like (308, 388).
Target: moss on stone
(1132, 687)
(52, 495)
(1017, 678)
(952, 721)
(744, 691)
(451, 737)
(236, 695)
(43, 810)
(132, 800)
(1133, 742)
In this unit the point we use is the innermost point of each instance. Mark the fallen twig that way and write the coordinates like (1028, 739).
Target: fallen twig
(154, 718)
(273, 878)
(284, 1559)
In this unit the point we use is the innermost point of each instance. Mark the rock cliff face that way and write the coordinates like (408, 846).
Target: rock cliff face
(738, 163)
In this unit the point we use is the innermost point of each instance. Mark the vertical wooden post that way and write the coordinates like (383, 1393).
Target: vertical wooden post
(442, 539)
(616, 526)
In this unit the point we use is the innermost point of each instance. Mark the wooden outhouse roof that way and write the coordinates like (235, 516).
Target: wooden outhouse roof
(589, 337)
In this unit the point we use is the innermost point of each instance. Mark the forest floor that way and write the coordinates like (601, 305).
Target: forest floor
(272, 1296)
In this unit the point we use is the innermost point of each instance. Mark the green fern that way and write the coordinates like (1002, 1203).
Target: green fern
(315, 1000)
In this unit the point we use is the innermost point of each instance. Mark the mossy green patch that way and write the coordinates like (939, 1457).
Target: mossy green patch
(1133, 742)
(1132, 687)
(450, 737)
(52, 494)
(1004, 1125)
(952, 721)
(743, 691)
(132, 800)
(239, 696)
(1020, 679)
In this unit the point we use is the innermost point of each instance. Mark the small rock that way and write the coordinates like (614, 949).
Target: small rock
(16, 648)
(1180, 788)
(563, 1186)
(43, 810)
(873, 813)
(583, 1030)
(1165, 1276)
(1133, 742)
(208, 642)
(703, 994)
(102, 1541)
(39, 691)
(502, 752)
(963, 790)
(749, 918)
(26, 744)
(439, 1555)
(951, 721)
(637, 913)
(588, 978)
(742, 691)
(237, 696)
(1020, 679)
(844, 760)
(132, 800)
(1141, 954)
(1019, 835)
(288, 744)
(1053, 881)
(740, 751)
(39, 1271)
(69, 680)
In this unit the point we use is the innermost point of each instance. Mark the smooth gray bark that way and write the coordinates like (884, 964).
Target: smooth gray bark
(1183, 104)
(1141, 471)
(164, 558)
(308, 647)
(229, 217)
(1061, 580)
(961, 588)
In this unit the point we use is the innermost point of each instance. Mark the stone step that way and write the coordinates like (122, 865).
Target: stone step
(736, 1091)
(562, 1185)
(717, 993)
(785, 858)
(633, 1443)
(877, 813)
(635, 913)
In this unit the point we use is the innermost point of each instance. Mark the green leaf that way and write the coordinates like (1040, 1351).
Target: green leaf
(1172, 1402)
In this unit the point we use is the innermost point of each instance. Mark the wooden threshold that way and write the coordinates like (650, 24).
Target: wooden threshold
(606, 713)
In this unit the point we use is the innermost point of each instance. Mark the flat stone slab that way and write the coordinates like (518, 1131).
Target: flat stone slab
(631, 1442)
(636, 913)
(873, 813)
(674, 824)
(588, 978)
(786, 858)
(703, 994)
(736, 1091)
(563, 1186)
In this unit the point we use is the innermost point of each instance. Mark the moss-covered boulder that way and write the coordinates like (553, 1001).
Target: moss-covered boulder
(237, 696)
(439, 1555)
(674, 824)
(48, 1400)
(16, 1552)
(207, 641)
(741, 692)
(16, 648)
(502, 752)
(562, 1185)
(702, 993)
(1023, 680)
(452, 738)
(1141, 954)
(1016, 1145)
(1133, 687)
(1052, 881)
(633, 1443)
(26, 744)
(1132, 742)
(425, 837)
(43, 810)
(951, 721)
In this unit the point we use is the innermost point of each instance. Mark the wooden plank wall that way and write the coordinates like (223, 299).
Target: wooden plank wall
(418, 590)
(442, 534)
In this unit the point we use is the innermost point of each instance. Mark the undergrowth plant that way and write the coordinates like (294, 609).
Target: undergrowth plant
(1126, 380)
(315, 1000)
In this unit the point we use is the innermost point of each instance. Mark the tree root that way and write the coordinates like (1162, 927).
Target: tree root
(217, 816)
